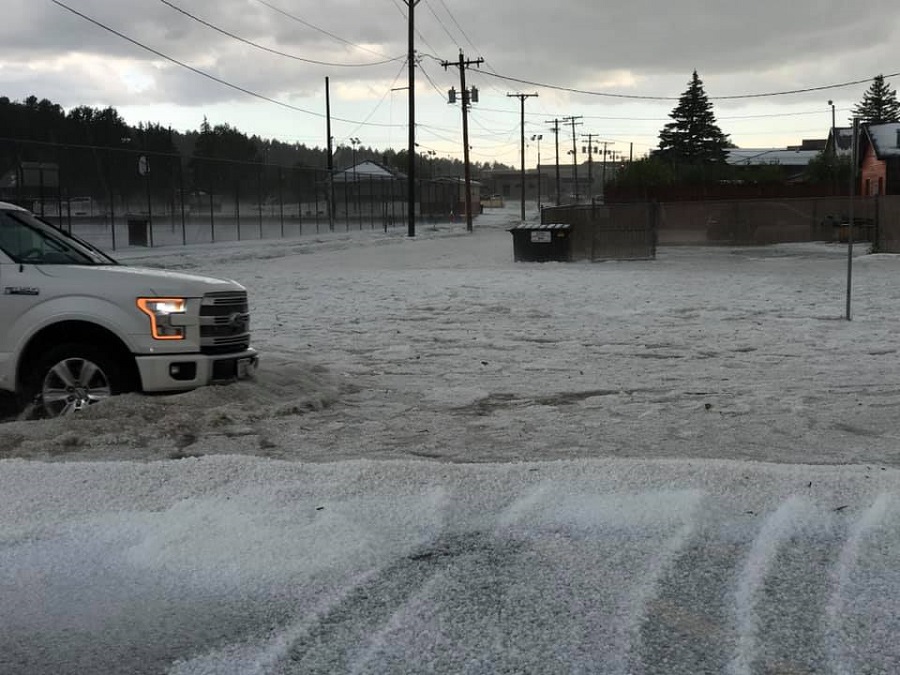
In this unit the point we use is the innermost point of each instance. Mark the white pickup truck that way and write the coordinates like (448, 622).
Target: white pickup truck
(77, 327)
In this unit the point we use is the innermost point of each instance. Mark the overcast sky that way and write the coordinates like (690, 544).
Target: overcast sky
(639, 48)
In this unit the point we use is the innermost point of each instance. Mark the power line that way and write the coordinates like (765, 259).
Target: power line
(417, 31)
(275, 51)
(666, 119)
(218, 80)
(639, 97)
(431, 81)
(380, 102)
(431, 9)
(460, 28)
(316, 28)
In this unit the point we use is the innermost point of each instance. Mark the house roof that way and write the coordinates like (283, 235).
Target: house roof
(455, 179)
(762, 156)
(844, 137)
(367, 170)
(885, 138)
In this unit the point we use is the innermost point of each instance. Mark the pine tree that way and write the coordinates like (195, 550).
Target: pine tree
(693, 137)
(879, 103)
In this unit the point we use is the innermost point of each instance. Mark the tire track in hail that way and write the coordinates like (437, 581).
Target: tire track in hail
(862, 616)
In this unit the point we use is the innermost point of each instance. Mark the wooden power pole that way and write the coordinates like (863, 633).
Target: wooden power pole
(468, 97)
(522, 98)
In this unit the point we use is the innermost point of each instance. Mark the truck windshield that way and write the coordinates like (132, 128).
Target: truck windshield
(30, 241)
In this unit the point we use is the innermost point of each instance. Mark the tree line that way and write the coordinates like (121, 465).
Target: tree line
(94, 147)
(693, 148)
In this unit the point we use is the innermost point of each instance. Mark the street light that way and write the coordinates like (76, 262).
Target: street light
(833, 136)
(354, 142)
(537, 138)
(574, 154)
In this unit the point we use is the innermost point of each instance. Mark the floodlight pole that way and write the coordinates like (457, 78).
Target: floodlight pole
(573, 121)
(556, 141)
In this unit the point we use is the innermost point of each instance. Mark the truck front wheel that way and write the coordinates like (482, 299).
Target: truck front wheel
(70, 377)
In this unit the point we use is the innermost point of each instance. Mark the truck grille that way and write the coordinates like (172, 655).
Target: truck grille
(224, 322)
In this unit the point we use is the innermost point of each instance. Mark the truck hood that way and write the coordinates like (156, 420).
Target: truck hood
(141, 279)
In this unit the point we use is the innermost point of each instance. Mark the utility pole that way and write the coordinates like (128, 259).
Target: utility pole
(522, 98)
(330, 156)
(467, 99)
(833, 147)
(853, 166)
(330, 164)
(538, 138)
(556, 142)
(573, 121)
(411, 165)
(603, 173)
(590, 150)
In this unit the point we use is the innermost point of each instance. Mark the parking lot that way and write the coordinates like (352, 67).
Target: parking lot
(453, 462)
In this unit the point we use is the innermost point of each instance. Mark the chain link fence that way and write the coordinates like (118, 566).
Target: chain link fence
(122, 197)
(767, 221)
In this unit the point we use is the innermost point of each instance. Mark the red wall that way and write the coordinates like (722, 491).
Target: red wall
(873, 174)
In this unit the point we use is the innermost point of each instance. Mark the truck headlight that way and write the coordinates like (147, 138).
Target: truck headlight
(161, 311)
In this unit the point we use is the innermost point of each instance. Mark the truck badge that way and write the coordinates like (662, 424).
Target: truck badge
(21, 290)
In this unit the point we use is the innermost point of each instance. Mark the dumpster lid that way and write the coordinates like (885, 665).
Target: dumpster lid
(540, 226)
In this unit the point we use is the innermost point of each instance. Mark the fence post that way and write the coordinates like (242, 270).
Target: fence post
(237, 206)
(393, 212)
(300, 196)
(259, 198)
(69, 210)
(316, 197)
(358, 198)
(149, 206)
(112, 199)
(877, 234)
(181, 192)
(346, 202)
(281, 199)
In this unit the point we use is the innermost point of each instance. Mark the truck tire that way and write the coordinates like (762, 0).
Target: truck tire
(72, 376)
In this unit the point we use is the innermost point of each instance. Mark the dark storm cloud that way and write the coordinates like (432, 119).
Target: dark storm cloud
(737, 45)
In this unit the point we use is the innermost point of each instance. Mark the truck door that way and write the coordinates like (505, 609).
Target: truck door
(20, 282)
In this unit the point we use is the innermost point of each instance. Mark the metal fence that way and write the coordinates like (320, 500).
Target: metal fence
(116, 198)
(612, 232)
(632, 230)
(766, 221)
(888, 219)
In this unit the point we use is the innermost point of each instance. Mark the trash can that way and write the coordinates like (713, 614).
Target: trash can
(547, 242)
(138, 232)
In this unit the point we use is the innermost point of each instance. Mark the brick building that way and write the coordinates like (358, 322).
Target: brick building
(879, 159)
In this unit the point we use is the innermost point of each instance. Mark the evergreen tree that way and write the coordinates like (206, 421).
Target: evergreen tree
(827, 169)
(879, 103)
(693, 137)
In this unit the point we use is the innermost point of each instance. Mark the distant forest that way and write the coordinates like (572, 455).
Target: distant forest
(40, 130)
